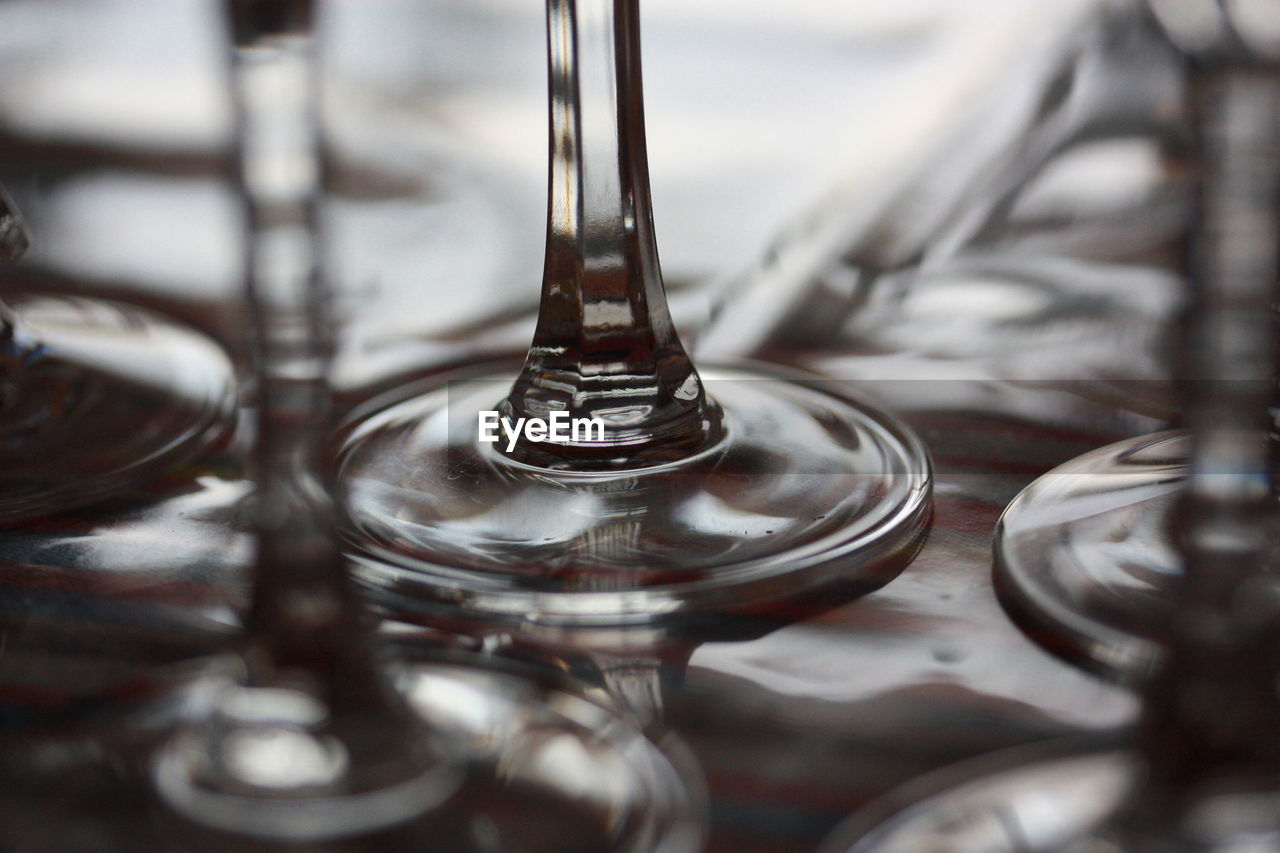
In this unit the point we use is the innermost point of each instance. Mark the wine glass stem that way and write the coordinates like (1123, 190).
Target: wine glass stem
(1233, 342)
(304, 617)
(635, 683)
(1216, 703)
(605, 346)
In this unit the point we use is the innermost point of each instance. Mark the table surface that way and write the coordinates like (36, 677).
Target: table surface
(1034, 342)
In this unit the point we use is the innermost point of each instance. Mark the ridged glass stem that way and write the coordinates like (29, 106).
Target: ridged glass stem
(605, 346)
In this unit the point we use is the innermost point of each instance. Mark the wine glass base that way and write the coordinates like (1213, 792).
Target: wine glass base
(1042, 798)
(548, 769)
(1084, 556)
(263, 763)
(535, 730)
(1080, 796)
(1033, 798)
(110, 398)
(808, 486)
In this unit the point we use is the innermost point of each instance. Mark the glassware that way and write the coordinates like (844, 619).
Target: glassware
(1085, 556)
(97, 397)
(1205, 772)
(691, 493)
(301, 736)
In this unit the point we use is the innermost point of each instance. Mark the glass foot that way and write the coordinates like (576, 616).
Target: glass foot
(107, 397)
(595, 768)
(536, 765)
(808, 485)
(1080, 796)
(267, 763)
(1041, 798)
(1085, 554)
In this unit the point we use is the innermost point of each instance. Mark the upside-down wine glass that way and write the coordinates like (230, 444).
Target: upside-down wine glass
(97, 397)
(300, 739)
(1205, 774)
(1086, 558)
(691, 492)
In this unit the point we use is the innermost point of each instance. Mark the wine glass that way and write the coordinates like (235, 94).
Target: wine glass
(1085, 557)
(671, 490)
(97, 397)
(1205, 773)
(301, 736)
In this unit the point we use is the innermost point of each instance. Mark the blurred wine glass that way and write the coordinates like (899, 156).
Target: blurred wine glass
(1088, 557)
(1204, 774)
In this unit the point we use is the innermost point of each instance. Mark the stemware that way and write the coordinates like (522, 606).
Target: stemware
(300, 736)
(1205, 774)
(97, 397)
(1086, 557)
(691, 491)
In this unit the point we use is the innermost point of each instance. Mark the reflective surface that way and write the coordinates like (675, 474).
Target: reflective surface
(635, 794)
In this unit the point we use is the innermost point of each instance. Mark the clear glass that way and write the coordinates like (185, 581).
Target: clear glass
(97, 397)
(1086, 556)
(700, 491)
